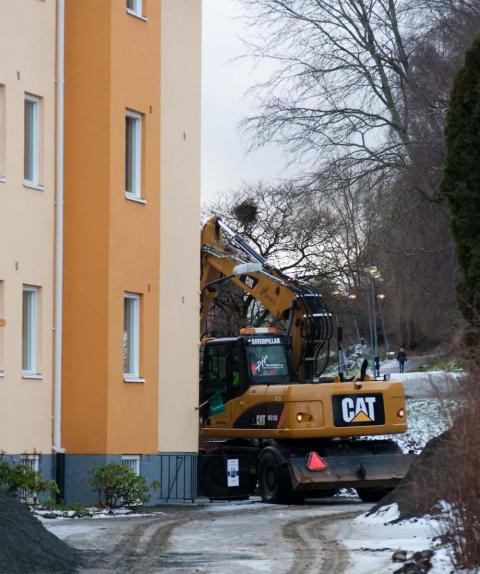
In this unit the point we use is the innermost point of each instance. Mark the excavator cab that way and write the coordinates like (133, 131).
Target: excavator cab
(231, 365)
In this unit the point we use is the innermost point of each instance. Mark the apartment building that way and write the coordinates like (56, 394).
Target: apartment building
(129, 369)
(27, 195)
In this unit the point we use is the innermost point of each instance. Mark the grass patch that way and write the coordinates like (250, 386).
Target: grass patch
(449, 363)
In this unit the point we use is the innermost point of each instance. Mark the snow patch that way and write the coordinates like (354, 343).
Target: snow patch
(383, 515)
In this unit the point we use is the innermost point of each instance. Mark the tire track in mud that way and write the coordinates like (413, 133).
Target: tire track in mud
(316, 549)
(145, 545)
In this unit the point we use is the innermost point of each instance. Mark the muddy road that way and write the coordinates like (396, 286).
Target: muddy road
(217, 538)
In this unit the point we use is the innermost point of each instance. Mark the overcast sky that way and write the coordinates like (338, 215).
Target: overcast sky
(225, 163)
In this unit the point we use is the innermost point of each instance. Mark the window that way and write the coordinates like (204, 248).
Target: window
(2, 133)
(267, 361)
(32, 140)
(216, 379)
(131, 336)
(133, 155)
(132, 462)
(2, 330)
(29, 330)
(31, 461)
(135, 7)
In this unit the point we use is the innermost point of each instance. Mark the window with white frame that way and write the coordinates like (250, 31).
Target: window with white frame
(132, 461)
(32, 462)
(29, 329)
(2, 132)
(133, 154)
(2, 331)
(131, 335)
(32, 140)
(135, 7)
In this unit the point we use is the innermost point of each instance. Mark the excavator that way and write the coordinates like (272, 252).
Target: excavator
(264, 398)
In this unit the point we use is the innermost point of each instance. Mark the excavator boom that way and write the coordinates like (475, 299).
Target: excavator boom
(309, 323)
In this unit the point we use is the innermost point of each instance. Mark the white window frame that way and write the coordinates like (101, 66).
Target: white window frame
(31, 368)
(32, 461)
(136, 9)
(35, 135)
(2, 330)
(3, 135)
(136, 167)
(132, 461)
(132, 341)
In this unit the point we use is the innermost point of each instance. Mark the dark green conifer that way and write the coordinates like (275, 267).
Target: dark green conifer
(461, 181)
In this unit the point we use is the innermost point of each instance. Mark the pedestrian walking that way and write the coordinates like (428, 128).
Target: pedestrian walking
(402, 359)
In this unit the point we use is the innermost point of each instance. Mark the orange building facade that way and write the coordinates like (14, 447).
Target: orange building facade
(132, 94)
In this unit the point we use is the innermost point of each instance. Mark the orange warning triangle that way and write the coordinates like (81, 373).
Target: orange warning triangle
(361, 418)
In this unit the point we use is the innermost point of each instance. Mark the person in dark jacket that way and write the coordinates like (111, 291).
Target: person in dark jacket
(402, 359)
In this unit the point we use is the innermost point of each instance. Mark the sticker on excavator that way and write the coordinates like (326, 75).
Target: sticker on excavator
(358, 410)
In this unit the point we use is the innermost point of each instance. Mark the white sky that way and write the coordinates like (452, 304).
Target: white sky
(225, 163)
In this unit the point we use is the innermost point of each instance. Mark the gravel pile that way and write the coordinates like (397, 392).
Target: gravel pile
(26, 547)
(422, 487)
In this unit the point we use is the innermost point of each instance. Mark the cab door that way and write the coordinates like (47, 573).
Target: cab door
(215, 382)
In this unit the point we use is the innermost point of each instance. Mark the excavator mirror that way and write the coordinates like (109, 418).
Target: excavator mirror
(363, 369)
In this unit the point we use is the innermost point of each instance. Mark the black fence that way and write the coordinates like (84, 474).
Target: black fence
(178, 478)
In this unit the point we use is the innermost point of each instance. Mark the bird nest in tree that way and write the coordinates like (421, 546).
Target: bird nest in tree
(246, 212)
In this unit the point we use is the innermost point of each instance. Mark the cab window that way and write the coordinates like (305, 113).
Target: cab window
(267, 363)
(236, 386)
(216, 374)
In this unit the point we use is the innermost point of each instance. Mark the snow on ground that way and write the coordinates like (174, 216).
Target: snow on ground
(372, 540)
(45, 515)
(383, 515)
(426, 419)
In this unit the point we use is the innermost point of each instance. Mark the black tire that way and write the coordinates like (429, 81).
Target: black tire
(372, 494)
(274, 481)
(212, 477)
(323, 493)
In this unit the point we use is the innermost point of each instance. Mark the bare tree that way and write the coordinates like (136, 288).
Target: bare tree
(338, 90)
(361, 88)
(320, 238)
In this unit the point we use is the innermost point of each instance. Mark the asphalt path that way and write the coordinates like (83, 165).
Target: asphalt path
(217, 539)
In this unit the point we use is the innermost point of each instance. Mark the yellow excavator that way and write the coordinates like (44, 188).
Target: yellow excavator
(263, 398)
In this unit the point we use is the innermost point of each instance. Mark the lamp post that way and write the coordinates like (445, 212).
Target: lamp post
(373, 273)
(381, 297)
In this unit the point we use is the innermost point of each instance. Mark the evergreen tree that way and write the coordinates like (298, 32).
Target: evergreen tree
(461, 182)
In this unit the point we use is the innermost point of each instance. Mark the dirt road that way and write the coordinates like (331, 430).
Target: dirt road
(217, 538)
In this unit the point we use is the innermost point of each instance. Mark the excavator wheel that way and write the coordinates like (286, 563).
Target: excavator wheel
(376, 494)
(324, 493)
(274, 480)
(372, 494)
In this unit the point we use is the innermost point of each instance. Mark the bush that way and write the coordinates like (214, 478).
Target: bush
(461, 484)
(117, 485)
(21, 480)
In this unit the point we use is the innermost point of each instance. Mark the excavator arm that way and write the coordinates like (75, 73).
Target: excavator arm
(227, 256)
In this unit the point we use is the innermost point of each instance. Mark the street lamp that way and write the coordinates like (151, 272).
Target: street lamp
(373, 272)
(382, 297)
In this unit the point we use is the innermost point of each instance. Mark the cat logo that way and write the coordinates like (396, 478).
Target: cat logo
(260, 420)
(359, 409)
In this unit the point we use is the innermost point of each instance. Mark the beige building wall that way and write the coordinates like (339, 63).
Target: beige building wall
(179, 225)
(27, 65)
